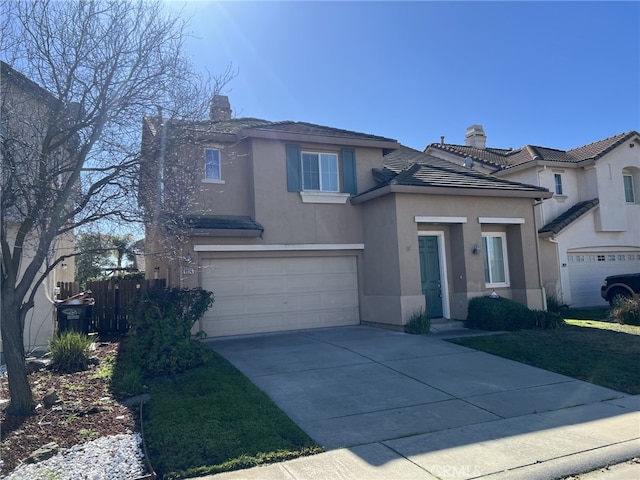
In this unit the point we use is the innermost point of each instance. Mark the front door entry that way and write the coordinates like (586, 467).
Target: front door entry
(430, 275)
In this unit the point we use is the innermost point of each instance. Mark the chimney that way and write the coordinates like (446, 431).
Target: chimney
(441, 139)
(475, 137)
(220, 109)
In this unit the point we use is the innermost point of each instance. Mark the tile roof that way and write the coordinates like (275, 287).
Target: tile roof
(493, 156)
(244, 126)
(414, 168)
(404, 157)
(313, 129)
(503, 159)
(223, 222)
(568, 217)
(597, 149)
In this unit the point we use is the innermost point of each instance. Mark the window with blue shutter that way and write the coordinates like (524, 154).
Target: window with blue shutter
(321, 171)
(349, 180)
(294, 177)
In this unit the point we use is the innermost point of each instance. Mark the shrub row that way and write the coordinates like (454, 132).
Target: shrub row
(496, 314)
(159, 338)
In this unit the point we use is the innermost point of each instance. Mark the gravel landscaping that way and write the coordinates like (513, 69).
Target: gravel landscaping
(84, 423)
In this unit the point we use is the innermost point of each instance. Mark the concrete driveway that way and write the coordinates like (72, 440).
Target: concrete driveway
(390, 405)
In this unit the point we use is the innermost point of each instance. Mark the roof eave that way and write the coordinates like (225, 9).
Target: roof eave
(311, 138)
(457, 191)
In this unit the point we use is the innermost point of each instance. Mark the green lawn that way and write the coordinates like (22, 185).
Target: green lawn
(598, 352)
(212, 419)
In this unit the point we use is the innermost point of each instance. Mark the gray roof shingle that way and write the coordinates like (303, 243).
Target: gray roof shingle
(504, 159)
(409, 167)
(568, 217)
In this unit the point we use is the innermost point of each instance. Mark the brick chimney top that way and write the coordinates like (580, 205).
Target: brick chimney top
(220, 108)
(475, 137)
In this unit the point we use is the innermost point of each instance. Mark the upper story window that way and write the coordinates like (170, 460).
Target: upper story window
(557, 182)
(494, 249)
(629, 193)
(321, 177)
(320, 172)
(212, 165)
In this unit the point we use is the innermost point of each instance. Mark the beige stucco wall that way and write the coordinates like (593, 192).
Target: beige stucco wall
(392, 290)
(255, 184)
(40, 320)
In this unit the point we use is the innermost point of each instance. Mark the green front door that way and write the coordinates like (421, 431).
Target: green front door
(430, 275)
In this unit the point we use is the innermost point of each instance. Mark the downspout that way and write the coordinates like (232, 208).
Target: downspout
(559, 272)
(535, 225)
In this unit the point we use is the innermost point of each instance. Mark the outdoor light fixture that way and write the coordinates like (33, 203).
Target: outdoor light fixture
(476, 249)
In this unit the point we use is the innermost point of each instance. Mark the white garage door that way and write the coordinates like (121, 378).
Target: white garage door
(588, 270)
(255, 295)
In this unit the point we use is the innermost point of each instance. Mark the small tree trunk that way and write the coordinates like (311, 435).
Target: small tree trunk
(13, 350)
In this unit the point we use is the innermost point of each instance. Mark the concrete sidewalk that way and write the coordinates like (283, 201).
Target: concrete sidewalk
(389, 405)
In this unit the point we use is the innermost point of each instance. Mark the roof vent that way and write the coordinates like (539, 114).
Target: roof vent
(220, 108)
(468, 162)
(475, 137)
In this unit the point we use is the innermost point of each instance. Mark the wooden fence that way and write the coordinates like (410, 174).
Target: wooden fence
(110, 312)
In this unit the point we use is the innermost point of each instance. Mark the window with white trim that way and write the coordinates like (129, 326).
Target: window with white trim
(629, 193)
(557, 182)
(320, 172)
(212, 167)
(494, 249)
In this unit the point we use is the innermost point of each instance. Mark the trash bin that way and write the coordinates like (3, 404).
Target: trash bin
(75, 313)
(74, 318)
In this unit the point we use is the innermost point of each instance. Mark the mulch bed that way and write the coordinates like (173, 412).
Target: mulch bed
(87, 410)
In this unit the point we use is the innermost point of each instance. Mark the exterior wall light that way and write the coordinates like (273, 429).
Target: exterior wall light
(475, 249)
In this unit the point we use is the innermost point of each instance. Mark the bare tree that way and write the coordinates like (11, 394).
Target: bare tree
(71, 132)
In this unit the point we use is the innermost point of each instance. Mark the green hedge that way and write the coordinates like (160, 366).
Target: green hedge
(498, 314)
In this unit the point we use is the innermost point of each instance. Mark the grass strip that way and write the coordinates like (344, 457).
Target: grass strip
(212, 419)
(602, 353)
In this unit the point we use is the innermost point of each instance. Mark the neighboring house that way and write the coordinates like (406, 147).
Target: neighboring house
(294, 225)
(25, 106)
(591, 227)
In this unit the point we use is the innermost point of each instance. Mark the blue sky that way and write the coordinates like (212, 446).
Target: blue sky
(555, 74)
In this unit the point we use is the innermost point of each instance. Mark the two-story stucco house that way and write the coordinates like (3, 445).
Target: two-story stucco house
(25, 108)
(590, 228)
(294, 225)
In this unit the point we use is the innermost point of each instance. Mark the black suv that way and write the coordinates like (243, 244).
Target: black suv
(615, 287)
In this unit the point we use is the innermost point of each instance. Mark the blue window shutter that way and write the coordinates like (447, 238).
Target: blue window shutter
(349, 181)
(294, 176)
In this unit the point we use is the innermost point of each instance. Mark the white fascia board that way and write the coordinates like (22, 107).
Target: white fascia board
(432, 219)
(278, 248)
(502, 220)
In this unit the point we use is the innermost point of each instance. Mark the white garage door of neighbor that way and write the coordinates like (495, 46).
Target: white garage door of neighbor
(256, 295)
(588, 270)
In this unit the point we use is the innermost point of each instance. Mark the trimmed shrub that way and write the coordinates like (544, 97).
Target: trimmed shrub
(70, 351)
(626, 311)
(161, 330)
(419, 323)
(486, 313)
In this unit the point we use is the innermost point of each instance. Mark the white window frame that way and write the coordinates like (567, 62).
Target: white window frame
(208, 179)
(557, 184)
(632, 189)
(321, 187)
(505, 260)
